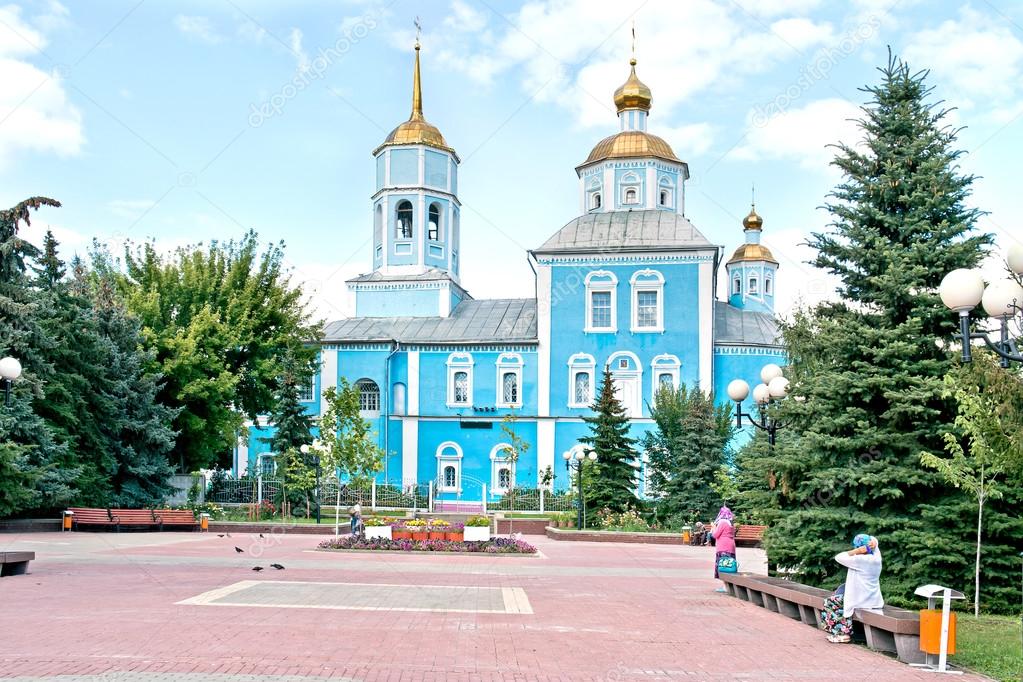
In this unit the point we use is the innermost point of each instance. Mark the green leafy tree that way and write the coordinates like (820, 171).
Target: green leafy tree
(347, 443)
(610, 483)
(980, 444)
(517, 446)
(687, 451)
(223, 319)
(867, 372)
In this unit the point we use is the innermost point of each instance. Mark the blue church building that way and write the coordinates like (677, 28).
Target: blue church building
(629, 285)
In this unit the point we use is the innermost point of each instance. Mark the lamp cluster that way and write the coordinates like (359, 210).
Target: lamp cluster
(773, 386)
(574, 460)
(964, 289)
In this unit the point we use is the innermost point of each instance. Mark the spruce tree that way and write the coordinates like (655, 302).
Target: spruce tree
(868, 371)
(687, 450)
(610, 483)
(291, 431)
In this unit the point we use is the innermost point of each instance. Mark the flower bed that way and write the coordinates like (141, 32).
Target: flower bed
(494, 546)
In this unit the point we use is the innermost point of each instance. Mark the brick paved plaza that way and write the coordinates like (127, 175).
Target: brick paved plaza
(166, 607)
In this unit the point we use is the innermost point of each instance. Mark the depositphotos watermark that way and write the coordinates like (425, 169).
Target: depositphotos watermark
(326, 57)
(820, 68)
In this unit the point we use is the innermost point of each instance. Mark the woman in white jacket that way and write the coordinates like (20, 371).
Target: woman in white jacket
(862, 589)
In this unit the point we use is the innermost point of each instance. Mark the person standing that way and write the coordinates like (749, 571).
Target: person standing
(724, 539)
(861, 590)
(356, 517)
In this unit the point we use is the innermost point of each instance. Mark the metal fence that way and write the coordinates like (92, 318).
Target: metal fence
(397, 495)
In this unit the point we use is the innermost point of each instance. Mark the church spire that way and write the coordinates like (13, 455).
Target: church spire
(417, 88)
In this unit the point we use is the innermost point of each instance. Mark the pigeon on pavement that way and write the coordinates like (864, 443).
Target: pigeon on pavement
(257, 568)
(278, 567)
(239, 550)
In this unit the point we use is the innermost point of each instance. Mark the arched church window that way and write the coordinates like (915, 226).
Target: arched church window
(434, 223)
(596, 200)
(403, 220)
(450, 476)
(369, 395)
(767, 286)
(664, 197)
(378, 224)
(631, 196)
(752, 288)
(737, 286)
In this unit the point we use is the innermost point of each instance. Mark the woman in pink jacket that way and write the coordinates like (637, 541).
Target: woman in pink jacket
(724, 539)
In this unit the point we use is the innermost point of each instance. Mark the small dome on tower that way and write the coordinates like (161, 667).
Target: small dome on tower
(416, 130)
(753, 221)
(633, 93)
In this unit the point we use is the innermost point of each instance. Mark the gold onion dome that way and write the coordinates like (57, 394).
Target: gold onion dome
(633, 93)
(631, 143)
(416, 130)
(753, 221)
(752, 252)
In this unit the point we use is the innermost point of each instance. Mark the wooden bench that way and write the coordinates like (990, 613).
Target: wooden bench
(15, 563)
(133, 518)
(893, 630)
(749, 536)
(175, 517)
(90, 517)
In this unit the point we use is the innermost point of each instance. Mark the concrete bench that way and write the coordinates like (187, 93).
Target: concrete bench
(15, 563)
(894, 630)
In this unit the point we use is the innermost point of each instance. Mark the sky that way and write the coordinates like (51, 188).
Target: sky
(189, 121)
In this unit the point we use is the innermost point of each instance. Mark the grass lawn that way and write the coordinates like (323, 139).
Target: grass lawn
(990, 645)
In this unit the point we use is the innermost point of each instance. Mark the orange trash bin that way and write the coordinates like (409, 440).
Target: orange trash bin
(930, 631)
(204, 523)
(67, 520)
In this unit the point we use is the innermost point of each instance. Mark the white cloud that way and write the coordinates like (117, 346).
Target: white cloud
(71, 242)
(295, 43)
(132, 209)
(979, 57)
(802, 33)
(198, 27)
(688, 140)
(35, 113)
(802, 134)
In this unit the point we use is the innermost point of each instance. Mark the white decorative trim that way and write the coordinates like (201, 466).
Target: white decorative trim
(655, 285)
(412, 392)
(328, 375)
(665, 363)
(544, 448)
(459, 362)
(445, 460)
(581, 362)
(499, 461)
(608, 283)
(410, 449)
(635, 409)
(508, 363)
(705, 304)
(543, 333)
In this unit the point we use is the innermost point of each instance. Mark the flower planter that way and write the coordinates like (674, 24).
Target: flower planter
(401, 534)
(455, 536)
(477, 533)
(373, 532)
(420, 535)
(437, 535)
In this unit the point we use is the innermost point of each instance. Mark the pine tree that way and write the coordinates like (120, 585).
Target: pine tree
(868, 371)
(687, 450)
(610, 483)
(292, 430)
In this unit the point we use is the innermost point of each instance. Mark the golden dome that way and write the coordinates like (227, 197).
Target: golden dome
(753, 221)
(416, 130)
(756, 252)
(631, 144)
(633, 93)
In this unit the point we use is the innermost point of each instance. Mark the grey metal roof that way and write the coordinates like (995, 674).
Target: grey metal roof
(612, 231)
(744, 327)
(430, 275)
(503, 320)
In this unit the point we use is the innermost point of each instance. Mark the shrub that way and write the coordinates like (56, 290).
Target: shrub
(378, 521)
(628, 520)
(478, 521)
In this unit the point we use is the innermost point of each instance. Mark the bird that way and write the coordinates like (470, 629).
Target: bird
(257, 568)
(239, 550)
(278, 567)
(220, 535)
(260, 535)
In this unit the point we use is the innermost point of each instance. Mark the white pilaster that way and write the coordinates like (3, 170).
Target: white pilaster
(706, 308)
(241, 462)
(651, 187)
(412, 399)
(328, 374)
(410, 449)
(544, 447)
(543, 350)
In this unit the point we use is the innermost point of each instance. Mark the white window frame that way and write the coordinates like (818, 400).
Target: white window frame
(309, 397)
(768, 285)
(630, 181)
(601, 281)
(459, 362)
(636, 410)
(664, 185)
(594, 195)
(449, 453)
(499, 460)
(753, 285)
(440, 222)
(647, 281)
(581, 362)
(665, 363)
(508, 363)
(737, 285)
(368, 414)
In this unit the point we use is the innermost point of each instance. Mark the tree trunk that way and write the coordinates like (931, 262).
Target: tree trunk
(976, 584)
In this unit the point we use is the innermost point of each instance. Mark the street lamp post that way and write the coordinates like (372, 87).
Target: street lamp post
(774, 387)
(575, 461)
(10, 370)
(315, 461)
(962, 290)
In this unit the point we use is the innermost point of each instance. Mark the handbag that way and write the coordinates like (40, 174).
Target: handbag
(728, 564)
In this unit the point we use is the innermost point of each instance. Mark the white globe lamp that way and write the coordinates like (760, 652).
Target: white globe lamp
(778, 387)
(738, 390)
(761, 394)
(961, 290)
(769, 372)
(10, 368)
(1002, 298)
(1015, 258)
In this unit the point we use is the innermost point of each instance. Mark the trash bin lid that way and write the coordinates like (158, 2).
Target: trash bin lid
(938, 591)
